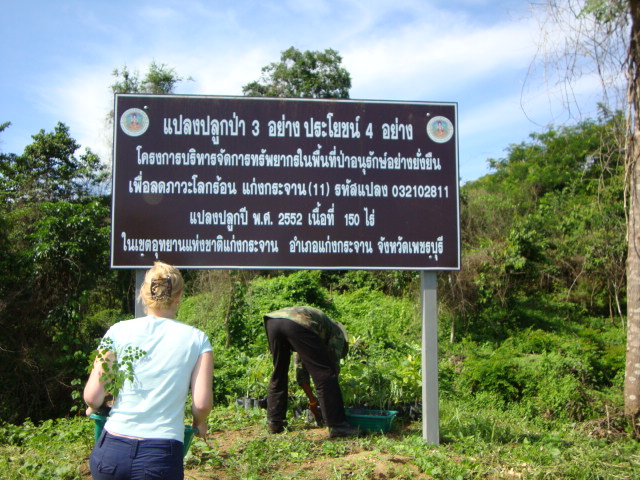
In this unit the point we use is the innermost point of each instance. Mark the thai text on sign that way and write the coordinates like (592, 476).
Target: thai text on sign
(239, 182)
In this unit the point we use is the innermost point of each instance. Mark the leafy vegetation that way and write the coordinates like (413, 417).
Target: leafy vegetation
(479, 440)
(54, 265)
(116, 370)
(308, 74)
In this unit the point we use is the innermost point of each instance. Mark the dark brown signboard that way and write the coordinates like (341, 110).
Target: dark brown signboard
(239, 182)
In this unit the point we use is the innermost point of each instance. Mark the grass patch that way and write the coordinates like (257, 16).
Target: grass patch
(478, 440)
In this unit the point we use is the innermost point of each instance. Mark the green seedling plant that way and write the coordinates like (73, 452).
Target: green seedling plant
(116, 369)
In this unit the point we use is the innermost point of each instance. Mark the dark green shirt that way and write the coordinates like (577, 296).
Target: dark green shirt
(332, 333)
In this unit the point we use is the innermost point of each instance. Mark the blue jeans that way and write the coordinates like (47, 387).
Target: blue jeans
(120, 458)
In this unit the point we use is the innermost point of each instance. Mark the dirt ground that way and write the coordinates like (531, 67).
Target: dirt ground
(357, 462)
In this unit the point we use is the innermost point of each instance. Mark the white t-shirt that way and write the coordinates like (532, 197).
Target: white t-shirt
(153, 405)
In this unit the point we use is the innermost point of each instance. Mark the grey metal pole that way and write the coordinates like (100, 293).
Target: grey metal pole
(430, 404)
(139, 281)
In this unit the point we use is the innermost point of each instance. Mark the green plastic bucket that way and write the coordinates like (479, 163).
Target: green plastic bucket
(188, 436)
(98, 425)
(99, 421)
(378, 421)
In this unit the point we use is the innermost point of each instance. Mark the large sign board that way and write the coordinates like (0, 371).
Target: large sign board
(266, 183)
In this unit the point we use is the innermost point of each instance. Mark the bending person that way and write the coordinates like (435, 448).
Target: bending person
(320, 343)
(145, 429)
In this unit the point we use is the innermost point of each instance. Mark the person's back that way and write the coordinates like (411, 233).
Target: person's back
(152, 406)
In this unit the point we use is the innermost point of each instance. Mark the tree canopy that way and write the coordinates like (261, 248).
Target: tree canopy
(305, 74)
(159, 79)
(50, 170)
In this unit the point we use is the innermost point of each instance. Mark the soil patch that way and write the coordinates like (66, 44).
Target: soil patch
(214, 459)
(357, 461)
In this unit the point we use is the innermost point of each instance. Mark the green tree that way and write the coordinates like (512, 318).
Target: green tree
(4, 126)
(54, 263)
(50, 170)
(603, 39)
(308, 74)
(159, 79)
(54, 251)
(546, 226)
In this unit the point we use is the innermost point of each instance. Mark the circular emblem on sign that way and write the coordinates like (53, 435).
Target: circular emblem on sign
(134, 122)
(440, 129)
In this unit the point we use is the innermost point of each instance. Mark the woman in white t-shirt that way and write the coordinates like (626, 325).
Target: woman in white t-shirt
(144, 432)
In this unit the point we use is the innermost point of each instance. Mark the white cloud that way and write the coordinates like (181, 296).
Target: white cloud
(419, 59)
(82, 101)
(226, 75)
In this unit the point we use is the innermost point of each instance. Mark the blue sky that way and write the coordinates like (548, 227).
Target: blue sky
(58, 56)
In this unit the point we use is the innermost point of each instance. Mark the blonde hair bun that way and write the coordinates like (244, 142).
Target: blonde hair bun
(162, 286)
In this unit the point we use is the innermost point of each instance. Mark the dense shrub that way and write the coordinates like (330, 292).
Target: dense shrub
(546, 374)
(302, 287)
(551, 375)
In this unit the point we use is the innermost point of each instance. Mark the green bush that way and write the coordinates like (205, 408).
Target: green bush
(545, 374)
(51, 449)
(236, 374)
(383, 367)
(390, 321)
(202, 312)
(302, 287)
(381, 378)
(554, 376)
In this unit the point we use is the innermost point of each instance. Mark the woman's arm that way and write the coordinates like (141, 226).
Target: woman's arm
(202, 392)
(94, 391)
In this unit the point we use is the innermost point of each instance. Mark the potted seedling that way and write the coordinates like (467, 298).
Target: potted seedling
(257, 378)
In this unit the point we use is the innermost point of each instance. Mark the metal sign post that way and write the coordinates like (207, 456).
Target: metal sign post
(139, 281)
(430, 405)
